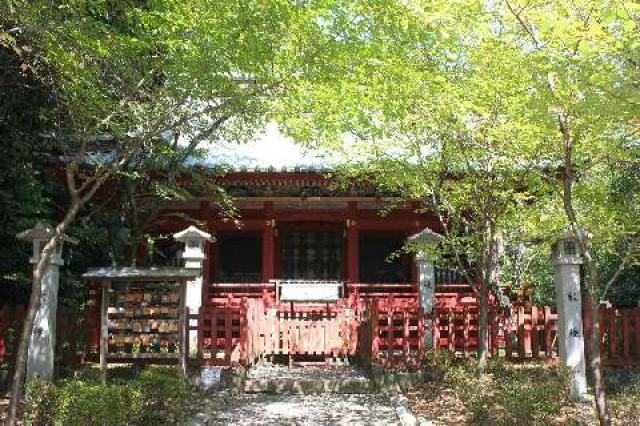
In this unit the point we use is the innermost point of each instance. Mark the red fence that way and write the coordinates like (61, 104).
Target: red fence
(306, 330)
(221, 333)
(375, 329)
(245, 331)
(518, 334)
(620, 336)
(391, 330)
(70, 335)
(11, 318)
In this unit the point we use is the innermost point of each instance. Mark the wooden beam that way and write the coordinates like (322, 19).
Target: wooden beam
(388, 224)
(183, 322)
(353, 245)
(104, 330)
(268, 244)
(210, 250)
(246, 225)
(310, 216)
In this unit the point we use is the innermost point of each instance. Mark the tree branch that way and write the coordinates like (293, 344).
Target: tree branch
(633, 245)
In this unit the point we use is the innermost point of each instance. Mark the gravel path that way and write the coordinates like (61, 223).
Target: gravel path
(223, 408)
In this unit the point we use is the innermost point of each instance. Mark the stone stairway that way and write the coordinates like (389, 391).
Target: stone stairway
(275, 379)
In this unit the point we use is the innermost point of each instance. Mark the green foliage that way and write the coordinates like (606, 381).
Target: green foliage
(624, 395)
(528, 271)
(439, 362)
(23, 195)
(156, 396)
(457, 104)
(164, 395)
(625, 291)
(511, 394)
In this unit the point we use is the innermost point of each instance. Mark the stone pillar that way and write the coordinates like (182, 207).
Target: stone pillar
(567, 261)
(42, 344)
(423, 241)
(193, 255)
(427, 289)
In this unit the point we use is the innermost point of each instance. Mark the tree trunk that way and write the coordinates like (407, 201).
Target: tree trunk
(487, 266)
(483, 329)
(17, 387)
(23, 346)
(599, 391)
(595, 361)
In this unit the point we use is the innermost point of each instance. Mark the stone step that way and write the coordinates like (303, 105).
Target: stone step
(272, 379)
(298, 386)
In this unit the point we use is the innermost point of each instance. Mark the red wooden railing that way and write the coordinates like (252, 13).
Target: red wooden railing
(619, 335)
(306, 330)
(70, 334)
(242, 332)
(219, 293)
(524, 332)
(376, 329)
(221, 333)
(389, 326)
(396, 329)
(382, 290)
(530, 332)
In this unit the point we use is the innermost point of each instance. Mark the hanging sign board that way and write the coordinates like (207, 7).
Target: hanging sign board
(301, 291)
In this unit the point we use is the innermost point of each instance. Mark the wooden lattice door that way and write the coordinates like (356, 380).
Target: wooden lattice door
(311, 254)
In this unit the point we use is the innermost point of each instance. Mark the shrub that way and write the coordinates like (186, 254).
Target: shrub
(81, 403)
(473, 390)
(165, 391)
(438, 363)
(511, 395)
(41, 402)
(624, 397)
(156, 396)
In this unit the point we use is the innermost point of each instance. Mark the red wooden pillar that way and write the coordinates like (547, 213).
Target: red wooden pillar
(210, 250)
(93, 319)
(414, 230)
(4, 319)
(268, 244)
(353, 253)
(141, 250)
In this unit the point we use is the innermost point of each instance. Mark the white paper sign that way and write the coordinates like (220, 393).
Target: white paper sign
(318, 292)
(210, 377)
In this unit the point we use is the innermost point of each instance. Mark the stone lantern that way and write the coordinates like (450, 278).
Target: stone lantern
(567, 260)
(43, 338)
(426, 278)
(194, 256)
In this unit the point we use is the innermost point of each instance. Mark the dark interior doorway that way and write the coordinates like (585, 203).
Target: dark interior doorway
(374, 266)
(240, 259)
